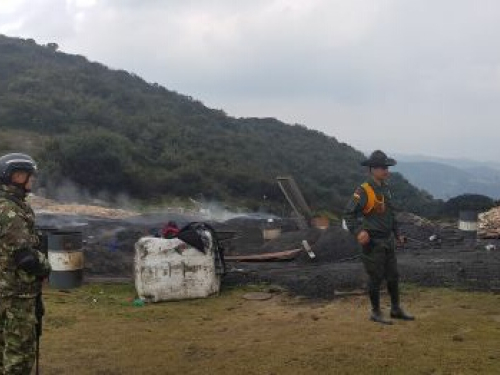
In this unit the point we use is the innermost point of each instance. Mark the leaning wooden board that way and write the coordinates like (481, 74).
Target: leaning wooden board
(280, 255)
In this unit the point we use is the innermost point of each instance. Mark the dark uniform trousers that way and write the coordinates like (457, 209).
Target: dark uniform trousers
(379, 260)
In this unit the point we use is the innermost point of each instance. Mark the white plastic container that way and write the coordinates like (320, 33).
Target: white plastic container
(170, 269)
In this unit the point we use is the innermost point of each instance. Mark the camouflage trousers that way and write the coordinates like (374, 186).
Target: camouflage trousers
(17, 335)
(379, 260)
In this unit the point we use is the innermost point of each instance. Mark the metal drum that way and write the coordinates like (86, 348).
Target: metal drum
(271, 230)
(66, 259)
(468, 223)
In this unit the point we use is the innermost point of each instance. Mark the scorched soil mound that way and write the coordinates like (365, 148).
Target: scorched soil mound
(109, 251)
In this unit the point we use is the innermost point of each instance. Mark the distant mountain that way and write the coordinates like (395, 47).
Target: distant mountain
(445, 181)
(110, 131)
(458, 163)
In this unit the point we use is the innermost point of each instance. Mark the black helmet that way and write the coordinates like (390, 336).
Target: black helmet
(11, 163)
(378, 159)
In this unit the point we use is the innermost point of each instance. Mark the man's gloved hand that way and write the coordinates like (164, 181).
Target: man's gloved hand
(27, 260)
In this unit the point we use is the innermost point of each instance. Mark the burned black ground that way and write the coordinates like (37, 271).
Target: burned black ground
(458, 263)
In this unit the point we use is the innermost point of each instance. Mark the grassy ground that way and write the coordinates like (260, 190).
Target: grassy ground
(97, 330)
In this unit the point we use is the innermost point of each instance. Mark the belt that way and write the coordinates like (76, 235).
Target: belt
(379, 235)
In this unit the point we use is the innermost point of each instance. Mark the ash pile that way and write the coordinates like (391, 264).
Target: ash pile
(472, 268)
(109, 242)
(438, 255)
(335, 265)
(451, 257)
(110, 238)
(332, 244)
(416, 228)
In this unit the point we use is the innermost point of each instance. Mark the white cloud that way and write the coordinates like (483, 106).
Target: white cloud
(81, 3)
(397, 74)
(8, 6)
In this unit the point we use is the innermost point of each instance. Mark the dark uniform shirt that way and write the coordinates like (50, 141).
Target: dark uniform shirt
(381, 221)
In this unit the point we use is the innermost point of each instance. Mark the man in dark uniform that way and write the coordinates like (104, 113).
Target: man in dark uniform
(370, 217)
(22, 266)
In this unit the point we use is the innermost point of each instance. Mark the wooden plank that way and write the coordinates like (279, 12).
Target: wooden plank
(280, 255)
(296, 200)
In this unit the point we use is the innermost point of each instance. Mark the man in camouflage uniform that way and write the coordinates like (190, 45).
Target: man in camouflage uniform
(370, 217)
(22, 266)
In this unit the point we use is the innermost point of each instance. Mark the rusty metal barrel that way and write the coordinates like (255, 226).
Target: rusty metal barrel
(271, 230)
(65, 249)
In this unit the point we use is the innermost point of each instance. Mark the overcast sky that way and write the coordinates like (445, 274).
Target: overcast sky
(407, 76)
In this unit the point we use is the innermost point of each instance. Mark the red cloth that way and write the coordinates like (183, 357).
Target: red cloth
(170, 231)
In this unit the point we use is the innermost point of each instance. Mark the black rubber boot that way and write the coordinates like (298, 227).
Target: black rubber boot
(399, 313)
(393, 289)
(374, 294)
(396, 311)
(376, 315)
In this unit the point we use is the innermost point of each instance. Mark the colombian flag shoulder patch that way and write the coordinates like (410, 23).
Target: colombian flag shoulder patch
(357, 194)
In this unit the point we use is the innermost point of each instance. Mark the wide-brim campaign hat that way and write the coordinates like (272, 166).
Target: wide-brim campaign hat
(378, 159)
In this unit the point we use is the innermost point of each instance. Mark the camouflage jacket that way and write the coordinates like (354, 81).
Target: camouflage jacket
(17, 231)
(381, 220)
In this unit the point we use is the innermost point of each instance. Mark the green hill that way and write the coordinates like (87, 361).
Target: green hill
(109, 130)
